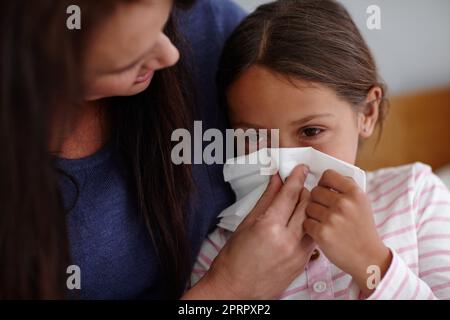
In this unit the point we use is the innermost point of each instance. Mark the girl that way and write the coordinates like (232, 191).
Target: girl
(303, 67)
(86, 118)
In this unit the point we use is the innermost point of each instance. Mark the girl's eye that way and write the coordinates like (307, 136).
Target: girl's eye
(311, 132)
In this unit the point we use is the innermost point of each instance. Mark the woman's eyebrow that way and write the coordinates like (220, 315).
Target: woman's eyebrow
(311, 117)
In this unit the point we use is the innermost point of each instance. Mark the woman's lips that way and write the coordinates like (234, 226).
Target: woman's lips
(145, 77)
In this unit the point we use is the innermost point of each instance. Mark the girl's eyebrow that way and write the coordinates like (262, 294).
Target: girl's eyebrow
(311, 117)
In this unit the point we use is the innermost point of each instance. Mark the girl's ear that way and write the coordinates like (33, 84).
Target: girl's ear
(368, 117)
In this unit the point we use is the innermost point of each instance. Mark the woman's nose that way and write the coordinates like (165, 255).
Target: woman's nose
(167, 55)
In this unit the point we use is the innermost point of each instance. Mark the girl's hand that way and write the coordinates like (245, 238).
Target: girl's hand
(268, 250)
(340, 220)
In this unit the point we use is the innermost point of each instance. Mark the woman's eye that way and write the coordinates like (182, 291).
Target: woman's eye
(311, 132)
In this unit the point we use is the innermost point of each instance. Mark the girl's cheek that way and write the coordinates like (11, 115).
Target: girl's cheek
(333, 141)
(317, 142)
(328, 142)
(340, 149)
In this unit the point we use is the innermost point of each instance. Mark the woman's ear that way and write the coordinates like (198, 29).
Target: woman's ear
(369, 115)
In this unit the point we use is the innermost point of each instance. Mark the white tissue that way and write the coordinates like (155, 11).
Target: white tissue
(249, 176)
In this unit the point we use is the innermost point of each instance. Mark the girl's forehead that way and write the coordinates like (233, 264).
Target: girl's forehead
(259, 86)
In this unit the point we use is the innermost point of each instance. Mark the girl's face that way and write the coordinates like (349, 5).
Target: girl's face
(127, 49)
(307, 115)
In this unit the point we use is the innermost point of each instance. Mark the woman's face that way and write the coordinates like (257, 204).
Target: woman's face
(127, 49)
(307, 115)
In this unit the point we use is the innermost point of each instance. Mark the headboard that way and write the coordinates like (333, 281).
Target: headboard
(417, 129)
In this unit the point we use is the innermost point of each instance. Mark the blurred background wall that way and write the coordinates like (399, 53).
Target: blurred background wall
(412, 48)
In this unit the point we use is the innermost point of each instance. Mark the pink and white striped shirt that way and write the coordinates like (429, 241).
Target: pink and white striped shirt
(411, 208)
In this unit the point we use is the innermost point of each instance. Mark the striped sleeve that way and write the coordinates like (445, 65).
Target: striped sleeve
(432, 211)
(208, 252)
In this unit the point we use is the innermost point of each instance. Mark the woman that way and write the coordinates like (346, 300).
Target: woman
(86, 177)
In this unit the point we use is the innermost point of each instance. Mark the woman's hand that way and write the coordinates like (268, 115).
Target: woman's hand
(340, 220)
(268, 250)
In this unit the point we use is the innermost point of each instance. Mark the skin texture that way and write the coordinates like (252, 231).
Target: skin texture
(338, 215)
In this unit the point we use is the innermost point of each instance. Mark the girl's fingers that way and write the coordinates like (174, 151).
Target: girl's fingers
(333, 180)
(317, 212)
(273, 188)
(298, 217)
(286, 200)
(324, 196)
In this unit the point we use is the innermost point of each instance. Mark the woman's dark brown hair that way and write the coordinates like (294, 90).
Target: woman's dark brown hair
(312, 40)
(40, 81)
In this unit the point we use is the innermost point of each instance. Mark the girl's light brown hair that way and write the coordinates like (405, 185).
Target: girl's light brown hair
(312, 40)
